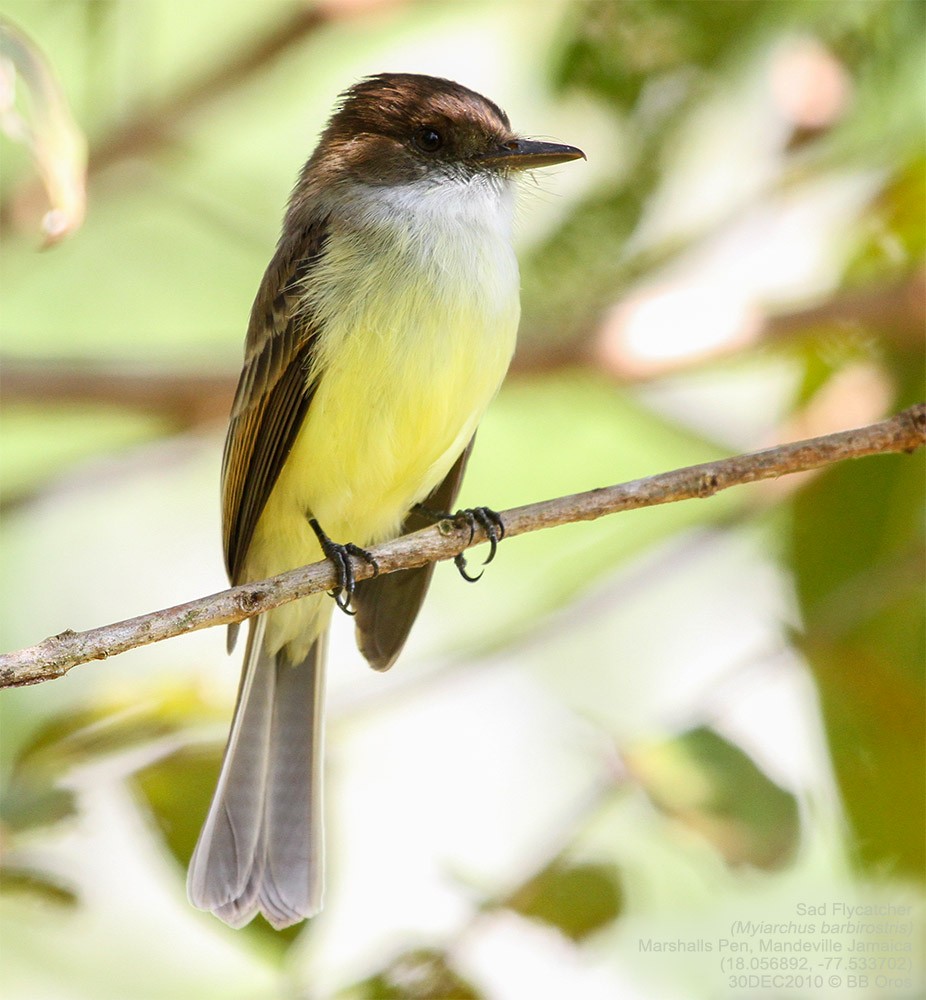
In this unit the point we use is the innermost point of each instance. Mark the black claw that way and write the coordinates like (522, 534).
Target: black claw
(459, 560)
(490, 522)
(340, 556)
(487, 519)
(494, 528)
(345, 592)
(360, 553)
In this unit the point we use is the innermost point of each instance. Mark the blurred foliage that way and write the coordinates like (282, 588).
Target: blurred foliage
(193, 148)
(36, 883)
(195, 771)
(892, 232)
(178, 818)
(578, 899)
(710, 785)
(650, 64)
(35, 793)
(616, 49)
(861, 596)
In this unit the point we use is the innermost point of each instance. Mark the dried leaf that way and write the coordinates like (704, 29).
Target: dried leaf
(57, 145)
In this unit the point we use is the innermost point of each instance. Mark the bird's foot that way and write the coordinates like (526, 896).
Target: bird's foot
(340, 556)
(489, 520)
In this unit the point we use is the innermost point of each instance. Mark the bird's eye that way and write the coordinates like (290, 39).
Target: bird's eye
(428, 139)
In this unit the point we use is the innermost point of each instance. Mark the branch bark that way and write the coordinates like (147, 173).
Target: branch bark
(56, 655)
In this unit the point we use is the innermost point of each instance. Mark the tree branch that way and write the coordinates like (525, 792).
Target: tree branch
(56, 655)
(184, 397)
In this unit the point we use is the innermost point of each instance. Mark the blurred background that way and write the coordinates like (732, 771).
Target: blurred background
(638, 730)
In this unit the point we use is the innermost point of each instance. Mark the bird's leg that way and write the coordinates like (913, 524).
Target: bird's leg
(489, 520)
(340, 556)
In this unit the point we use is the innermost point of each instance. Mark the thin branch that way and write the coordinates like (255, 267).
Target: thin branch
(157, 125)
(895, 310)
(186, 398)
(53, 657)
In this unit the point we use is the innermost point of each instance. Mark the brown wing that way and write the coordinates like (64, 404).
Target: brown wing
(272, 397)
(387, 606)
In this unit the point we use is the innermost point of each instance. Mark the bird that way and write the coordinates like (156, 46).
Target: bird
(380, 332)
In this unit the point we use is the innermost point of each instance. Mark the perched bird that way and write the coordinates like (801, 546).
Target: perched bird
(381, 330)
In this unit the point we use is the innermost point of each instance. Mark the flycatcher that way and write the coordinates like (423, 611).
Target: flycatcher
(381, 330)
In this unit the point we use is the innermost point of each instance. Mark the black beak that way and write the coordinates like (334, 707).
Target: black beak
(525, 154)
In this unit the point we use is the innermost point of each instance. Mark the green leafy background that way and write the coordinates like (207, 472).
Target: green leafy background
(637, 729)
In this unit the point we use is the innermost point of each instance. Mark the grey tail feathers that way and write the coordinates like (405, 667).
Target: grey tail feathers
(261, 849)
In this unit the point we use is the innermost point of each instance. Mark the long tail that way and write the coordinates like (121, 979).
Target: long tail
(261, 848)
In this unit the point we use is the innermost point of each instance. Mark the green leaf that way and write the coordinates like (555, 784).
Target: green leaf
(177, 791)
(713, 787)
(74, 737)
(30, 801)
(577, 899)
(857, 554)
(893, 236)
(616, 48)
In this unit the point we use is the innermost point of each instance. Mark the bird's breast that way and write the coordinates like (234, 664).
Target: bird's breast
(416, 328)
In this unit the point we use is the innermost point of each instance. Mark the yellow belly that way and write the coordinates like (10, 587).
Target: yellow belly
(402, 377)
